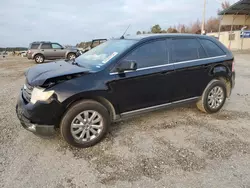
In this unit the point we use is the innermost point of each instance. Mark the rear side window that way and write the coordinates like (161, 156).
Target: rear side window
(186, 49)
(150, 54)
(34, 46)
(46, 46)
(212, 49)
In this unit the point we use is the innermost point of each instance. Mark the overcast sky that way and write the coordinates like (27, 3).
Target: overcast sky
(73, 21)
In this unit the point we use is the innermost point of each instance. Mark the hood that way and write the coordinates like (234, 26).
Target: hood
(37, 75)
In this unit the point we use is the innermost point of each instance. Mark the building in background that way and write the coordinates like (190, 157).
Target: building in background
(236, 15)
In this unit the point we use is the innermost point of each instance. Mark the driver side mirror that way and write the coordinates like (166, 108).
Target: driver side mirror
(126, 65)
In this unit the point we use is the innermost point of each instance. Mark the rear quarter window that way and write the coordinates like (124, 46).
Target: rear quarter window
(34, 46)
(211, 48)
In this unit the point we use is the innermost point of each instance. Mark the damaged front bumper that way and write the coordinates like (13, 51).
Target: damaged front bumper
(40, 130)
(37, 129)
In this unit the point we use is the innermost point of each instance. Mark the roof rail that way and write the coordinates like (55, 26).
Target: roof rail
(41, 41)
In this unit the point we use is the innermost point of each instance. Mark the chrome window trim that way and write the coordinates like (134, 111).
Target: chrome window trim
(169, 64)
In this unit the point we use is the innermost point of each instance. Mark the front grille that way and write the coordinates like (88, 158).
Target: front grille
(27, 90)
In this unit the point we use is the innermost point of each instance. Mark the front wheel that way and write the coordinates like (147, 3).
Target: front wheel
(85, 124)
(71, 56)
(213, 97)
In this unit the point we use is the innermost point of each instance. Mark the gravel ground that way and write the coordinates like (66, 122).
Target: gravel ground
(181, 147)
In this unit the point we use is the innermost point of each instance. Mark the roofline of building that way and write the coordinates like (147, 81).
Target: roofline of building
(223, 12)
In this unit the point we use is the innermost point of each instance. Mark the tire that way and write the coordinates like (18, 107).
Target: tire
(213, 97)
(39, 58)
(71, 56)
(83, 139)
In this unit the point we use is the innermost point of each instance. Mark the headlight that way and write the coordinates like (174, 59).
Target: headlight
(40, 95)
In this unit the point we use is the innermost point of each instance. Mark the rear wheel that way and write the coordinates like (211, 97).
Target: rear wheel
(85, 124)
(213, 97)
(39, 58)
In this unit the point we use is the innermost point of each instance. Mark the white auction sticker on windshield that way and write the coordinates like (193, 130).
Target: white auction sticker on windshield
(109, 57)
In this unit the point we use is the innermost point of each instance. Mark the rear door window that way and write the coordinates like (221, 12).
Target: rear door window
(150, 54)
(46, 46)
(212, 49)
(186, 49)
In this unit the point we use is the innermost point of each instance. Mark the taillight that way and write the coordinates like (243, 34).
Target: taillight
(233, 66)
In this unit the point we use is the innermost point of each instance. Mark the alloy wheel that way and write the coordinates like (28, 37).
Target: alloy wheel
(216, 97)
(39, 59)
(72, 56)
(87, 126)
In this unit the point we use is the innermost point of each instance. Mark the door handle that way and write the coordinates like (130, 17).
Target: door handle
(167, 72)
(54, 50)
(42, 50)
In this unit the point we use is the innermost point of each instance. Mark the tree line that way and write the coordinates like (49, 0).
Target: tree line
(211, 25)
(13, 49)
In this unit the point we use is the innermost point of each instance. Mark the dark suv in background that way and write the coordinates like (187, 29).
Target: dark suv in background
(93, 44)
(122, 78)
(40, 51)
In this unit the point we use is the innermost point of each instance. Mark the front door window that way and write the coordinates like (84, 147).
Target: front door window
(150, 54)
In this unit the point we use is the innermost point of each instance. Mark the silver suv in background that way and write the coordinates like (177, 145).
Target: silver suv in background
(40, 51)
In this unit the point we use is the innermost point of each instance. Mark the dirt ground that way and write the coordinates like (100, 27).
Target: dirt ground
(179, 147)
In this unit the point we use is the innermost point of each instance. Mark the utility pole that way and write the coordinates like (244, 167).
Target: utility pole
(204, 18)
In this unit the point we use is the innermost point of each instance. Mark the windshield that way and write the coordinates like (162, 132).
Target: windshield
(101, 55)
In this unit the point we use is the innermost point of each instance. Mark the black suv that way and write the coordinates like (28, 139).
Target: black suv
(121, 78)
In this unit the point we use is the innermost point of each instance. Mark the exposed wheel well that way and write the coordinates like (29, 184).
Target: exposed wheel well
(107, 104)
(227, 82)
